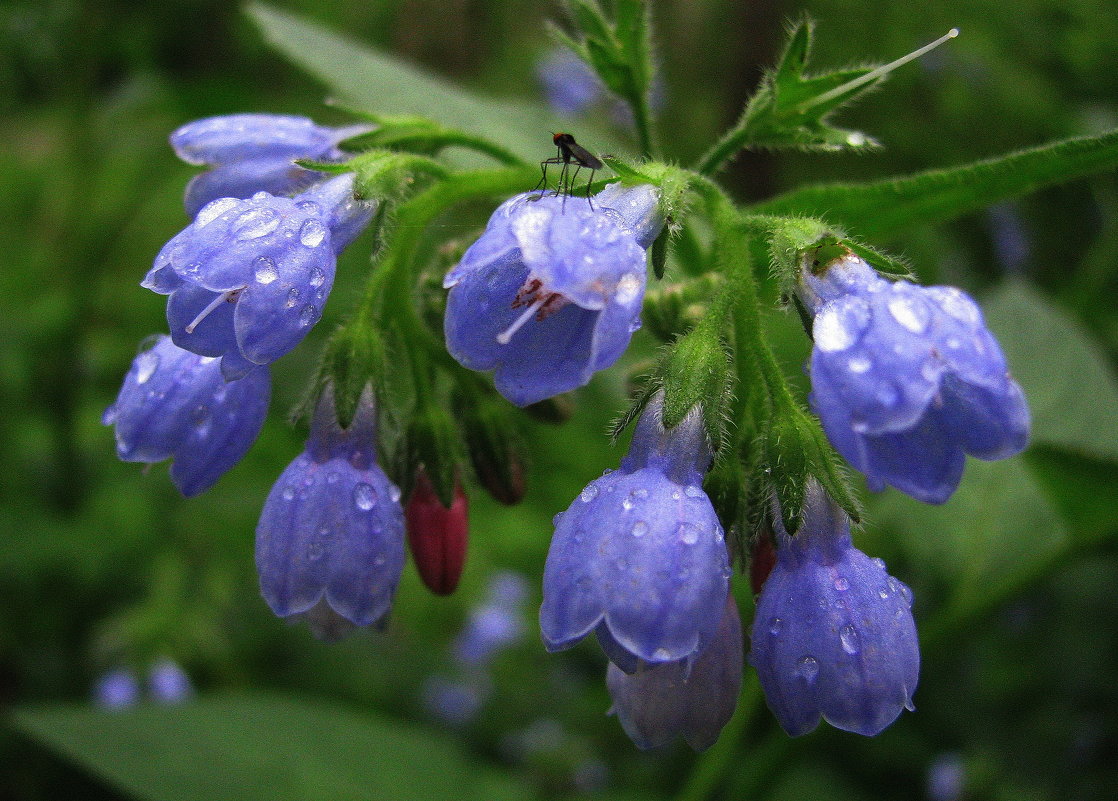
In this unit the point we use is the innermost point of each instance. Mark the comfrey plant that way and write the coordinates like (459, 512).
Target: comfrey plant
(727, 462)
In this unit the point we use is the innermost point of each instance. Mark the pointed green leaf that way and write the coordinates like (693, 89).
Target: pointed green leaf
(878, 208)
(372, 81)
(1071, 387)
(251, 747)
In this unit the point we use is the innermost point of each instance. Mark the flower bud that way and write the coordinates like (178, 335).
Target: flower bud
(437, 534)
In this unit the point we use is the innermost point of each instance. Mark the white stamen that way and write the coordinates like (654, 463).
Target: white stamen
(873, 75)
(504, 337)
(202, 315)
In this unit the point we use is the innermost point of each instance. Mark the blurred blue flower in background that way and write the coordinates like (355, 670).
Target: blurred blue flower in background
(833, 634)
(117, 689)
(640, 557)
(248, 278)
(495, 624)
(330, 542)
(907, 380)
(570, 86)
(578, 271)
(250, 153)
(168, 683)
(176, 404)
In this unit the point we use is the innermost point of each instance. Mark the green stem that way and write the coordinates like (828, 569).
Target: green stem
(482, 145)
(642, 115)
(731, 142)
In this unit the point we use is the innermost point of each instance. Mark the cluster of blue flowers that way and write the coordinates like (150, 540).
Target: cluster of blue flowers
(906, 382)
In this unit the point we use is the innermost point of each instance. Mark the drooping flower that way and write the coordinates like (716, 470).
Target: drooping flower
(175, 404)
(437, 534)
(330, 542)
(552, 290)
(694, 700)
(168, 683)
(248, 278)
(250, 153)
(907, 380)
(833, 634)
(640, 557)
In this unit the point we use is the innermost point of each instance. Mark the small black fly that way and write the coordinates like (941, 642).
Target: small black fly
(569, 152)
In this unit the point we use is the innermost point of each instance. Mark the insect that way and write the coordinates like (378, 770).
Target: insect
(568, 152)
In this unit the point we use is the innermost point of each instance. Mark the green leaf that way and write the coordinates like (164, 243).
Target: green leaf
(879, 208)
(997, 528)
(375, 82)
(1072, 390)
(252, 747)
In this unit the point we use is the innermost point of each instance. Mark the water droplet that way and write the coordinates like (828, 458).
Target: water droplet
(878, 562)
(688, 533)
(676, 495)
(315, 550)
(661, 655)
(807, 667)
(589, 494)
(883, 593)
(333, 477)
(956, 303)
(255, 223)
(910, 313)
(200, 415)
(640, 493)
(308, 316)
(394, 494)
(318, 277)
(555, 520)
(292, 298)
(849, 639)
(312, 233)
(627, 504)
(627, 289)
(775, 625)
(841, 584)
(640, 528)
(859, 364)
(364, 497)
(693, 491)
(837, 327)
(211, 211)
(146, 363)
(380, 559)
(264, 269)
(309, 206)
(289, 493)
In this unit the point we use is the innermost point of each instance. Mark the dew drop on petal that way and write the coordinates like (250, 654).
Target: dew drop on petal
(308, 316)
(842, 584)
(255, 223)
(289, 493)
(688, 533)
(775, 625)
(200, 415)
(211, 211)
(910, 313)
(394, 494)
(146, 364)
(318, 277)
(693, 491)
(640, 528)
(627, 289)
(333, 477)
(309, 206)
(292, 298)
(380, 559)
(627, 504)
(264, 270)
(312, 233)
(364, 497)
(859, 364)
(837, 327)
(878, 562)
(807, 668)
(661, 655)
(589, 493)
(849, 639)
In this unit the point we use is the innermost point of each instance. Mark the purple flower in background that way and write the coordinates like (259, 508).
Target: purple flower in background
(569, 84)
(250, 153)
(907, 380)
(640, 557)
(693, 699)
(117, 689)
(248, 278)
(176, 405)
(833, 634)
(455, 703)
(495, 624)
(168, 683)
(552, 291)
(330, 542)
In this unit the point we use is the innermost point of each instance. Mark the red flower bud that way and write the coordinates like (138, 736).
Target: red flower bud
(437, 534)
(762, 557)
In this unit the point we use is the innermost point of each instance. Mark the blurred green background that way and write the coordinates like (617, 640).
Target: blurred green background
(103, 564)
